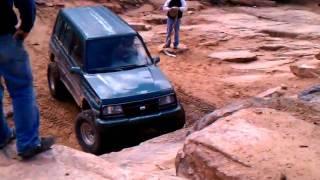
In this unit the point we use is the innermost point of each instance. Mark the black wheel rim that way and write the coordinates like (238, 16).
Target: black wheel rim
(88, 134)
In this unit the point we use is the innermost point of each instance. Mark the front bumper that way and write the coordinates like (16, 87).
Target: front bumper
(157, 118)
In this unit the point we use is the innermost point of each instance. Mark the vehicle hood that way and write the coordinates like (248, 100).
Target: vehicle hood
(134, 84)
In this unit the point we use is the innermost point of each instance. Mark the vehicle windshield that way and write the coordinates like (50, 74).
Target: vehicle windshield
(113, 54)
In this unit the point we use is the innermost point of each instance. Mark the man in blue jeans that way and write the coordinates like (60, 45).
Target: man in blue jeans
(15, 70)
(174, 9)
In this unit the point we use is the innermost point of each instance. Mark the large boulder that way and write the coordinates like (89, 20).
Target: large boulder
(59, 163)
(311, 94)
(253, 2)
(289, 30)
(305, 70)
(155, 19)
(140, 26)
(195, 6)
(318, 56)
(62, 163)
(155, 156)
(254, 143)
(271, 98)
(132, 2)
(115, 7)
(234, 56)
(225, 111)
(272, 47)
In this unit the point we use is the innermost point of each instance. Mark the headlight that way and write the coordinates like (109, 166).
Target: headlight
(112, 110)
(167, 100)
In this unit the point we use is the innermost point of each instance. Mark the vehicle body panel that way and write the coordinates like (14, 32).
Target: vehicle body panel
(156, 118)
(128, 83)
(97, 22)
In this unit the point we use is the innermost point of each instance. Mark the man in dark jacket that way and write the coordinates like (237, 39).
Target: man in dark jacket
(16, 71)
(174, 20)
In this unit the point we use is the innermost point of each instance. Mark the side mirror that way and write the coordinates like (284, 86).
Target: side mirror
(156, 60)
(76, 70)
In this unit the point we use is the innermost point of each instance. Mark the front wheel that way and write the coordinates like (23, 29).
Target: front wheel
(88, 135)
(175, 123)
(180, 120)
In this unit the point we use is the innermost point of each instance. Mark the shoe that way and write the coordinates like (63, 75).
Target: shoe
(10, 139)
(45, 144)
(176, 47)
(166, 46)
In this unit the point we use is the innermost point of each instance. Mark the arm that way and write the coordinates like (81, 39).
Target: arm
(166, 6)
(27, 10)
(184, 6)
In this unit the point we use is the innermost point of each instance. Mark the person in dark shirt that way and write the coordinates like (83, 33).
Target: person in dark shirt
(16, 71)
(174, 9)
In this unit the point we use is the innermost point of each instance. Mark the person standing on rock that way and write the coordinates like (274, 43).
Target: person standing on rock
(174, 9)
(16, 71)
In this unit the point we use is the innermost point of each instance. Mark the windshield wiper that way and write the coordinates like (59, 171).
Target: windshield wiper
(133, 66)
(108, 69)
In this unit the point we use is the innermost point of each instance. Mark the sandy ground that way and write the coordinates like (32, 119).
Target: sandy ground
(201, 83)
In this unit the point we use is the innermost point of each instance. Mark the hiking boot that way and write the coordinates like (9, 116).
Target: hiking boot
(10, 139)
(45, 144)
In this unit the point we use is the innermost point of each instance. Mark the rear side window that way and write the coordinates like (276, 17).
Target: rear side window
(71, 43)
(58, 25)
(66, 37)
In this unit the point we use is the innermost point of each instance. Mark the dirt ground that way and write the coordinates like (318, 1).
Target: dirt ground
(202, 83)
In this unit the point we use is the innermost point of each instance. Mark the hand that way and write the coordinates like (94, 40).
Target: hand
(175, 8)
(20, 35)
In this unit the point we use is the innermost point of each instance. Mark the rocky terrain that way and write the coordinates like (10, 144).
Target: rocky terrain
(229, 54)
(254, 143)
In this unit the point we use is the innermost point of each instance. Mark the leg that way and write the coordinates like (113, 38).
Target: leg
(170, 24)
(18, 77)
(176, 33)
(5, 132)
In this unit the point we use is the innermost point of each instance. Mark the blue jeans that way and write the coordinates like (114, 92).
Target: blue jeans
(16, 71)
(173, 24)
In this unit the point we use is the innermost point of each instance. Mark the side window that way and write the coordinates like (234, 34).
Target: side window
(58, 26)
(76, 50)
(60, 30)
(71, 43)
(66, 37)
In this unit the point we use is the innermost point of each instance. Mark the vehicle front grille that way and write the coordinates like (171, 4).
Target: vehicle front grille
(141, 108)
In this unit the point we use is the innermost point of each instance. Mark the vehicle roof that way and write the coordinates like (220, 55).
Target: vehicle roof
(97, 22)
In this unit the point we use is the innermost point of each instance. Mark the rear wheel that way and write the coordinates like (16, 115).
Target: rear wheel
(56, 87)
(88, 135)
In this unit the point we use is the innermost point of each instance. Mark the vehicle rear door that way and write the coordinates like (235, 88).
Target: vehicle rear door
(65, 61)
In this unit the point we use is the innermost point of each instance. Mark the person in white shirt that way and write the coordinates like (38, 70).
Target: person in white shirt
(174, 9)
